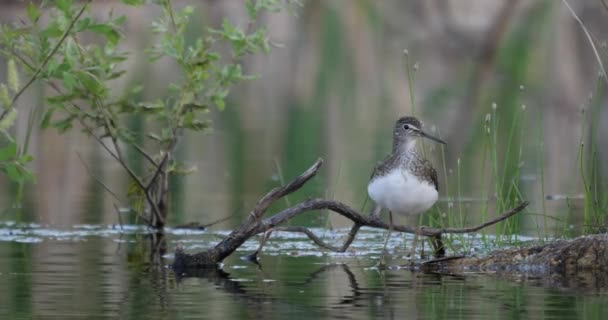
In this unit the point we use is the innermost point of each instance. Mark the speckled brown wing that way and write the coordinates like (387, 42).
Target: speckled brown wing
(382, 167)
(432, 174)
(423, 169)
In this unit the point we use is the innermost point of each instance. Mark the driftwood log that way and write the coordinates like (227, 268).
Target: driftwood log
(255, 224)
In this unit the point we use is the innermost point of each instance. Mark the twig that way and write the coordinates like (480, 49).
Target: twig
(196, 225)
(310, 235)
(158, 170)
(350, 238)
(90, 172)
(46, 59)
(144, 154)
(118, 214)
(263, 204)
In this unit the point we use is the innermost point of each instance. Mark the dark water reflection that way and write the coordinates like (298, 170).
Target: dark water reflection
(109, 276)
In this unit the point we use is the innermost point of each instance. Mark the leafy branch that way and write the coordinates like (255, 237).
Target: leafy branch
(60, 54)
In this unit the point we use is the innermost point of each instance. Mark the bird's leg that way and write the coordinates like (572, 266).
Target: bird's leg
(414, 243)
(375, 214)
(422, 255)
(438, 246)
(388, 235)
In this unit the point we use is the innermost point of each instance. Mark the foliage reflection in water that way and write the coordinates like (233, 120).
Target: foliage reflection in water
(107, 272)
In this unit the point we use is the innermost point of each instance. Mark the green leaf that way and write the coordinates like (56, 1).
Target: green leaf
(26, 158)
(13, 75)
(59, 100)
(46, 118)
(33, 13)
(83, 24)
(180, 169)
(53, 30)
(9, 119)
(219, 103)
(195, 106)
(218, 99)
(154, 136)
(197, 125)
(133, 2)
(56, 70)
(64, 5)
(64, 124)
(106, 30)
(69, 82)
(26, 175)
(71, 50)
(4, 97)
(13, 173)
(17, 172)
(151, 107)
(116, 75)
(91, 83)
(252, 11)
(8, 152)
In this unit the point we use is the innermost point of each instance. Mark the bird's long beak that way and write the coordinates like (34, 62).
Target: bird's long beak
(426, 135)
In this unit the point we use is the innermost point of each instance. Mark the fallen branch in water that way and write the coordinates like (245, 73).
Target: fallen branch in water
(255, 224)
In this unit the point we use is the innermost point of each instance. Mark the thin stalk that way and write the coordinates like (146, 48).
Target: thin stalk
(595, 116)
(332, 195)
(581, 159)
(542, 178)
(484, 190)
(448, 240)
(281, 179)
(507, 154)
(459, 195)
(410, 81)
(494, 158)
(590, 39)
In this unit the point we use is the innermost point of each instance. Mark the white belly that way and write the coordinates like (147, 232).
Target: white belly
(402, 193)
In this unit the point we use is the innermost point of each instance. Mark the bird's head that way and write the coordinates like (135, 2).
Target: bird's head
(407, 131)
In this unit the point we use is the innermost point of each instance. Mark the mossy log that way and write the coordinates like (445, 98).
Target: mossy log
(566, 257)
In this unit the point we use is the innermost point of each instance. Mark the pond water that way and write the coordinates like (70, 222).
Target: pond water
(98, 272)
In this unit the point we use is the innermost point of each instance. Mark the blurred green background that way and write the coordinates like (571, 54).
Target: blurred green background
(511, 85)
(333, 86)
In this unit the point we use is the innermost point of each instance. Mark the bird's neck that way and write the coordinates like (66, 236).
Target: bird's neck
(404, 147)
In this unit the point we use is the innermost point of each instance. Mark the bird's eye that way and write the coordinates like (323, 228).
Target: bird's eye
(406, 127)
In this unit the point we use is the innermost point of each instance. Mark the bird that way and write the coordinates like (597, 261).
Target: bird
(404, 182)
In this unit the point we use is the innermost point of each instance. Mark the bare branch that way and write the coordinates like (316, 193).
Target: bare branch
(263, 204)
(318, 241)
(357, 218)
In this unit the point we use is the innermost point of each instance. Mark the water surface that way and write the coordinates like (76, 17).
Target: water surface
(105, 272)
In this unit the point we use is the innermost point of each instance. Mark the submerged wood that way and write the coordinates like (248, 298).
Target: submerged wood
(255, 224)
(567, 257)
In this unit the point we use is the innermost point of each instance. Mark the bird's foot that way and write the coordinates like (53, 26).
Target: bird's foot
(381, 264)
(417, 232)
